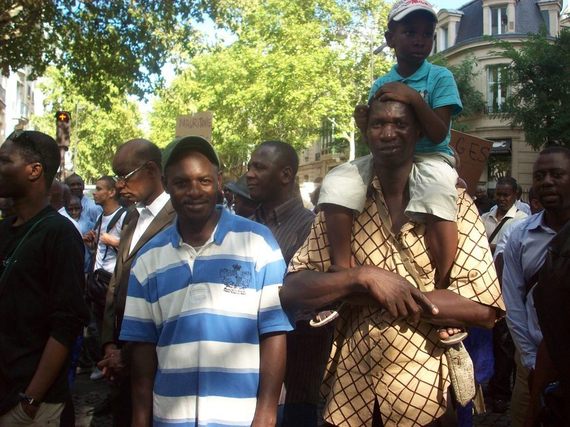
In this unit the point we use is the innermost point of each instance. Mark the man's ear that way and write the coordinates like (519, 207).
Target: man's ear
(36, 171)
(388, 36)
(153, 169)
(220, 183)
(287, 175)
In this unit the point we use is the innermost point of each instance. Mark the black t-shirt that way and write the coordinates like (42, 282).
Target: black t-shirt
(40, 296)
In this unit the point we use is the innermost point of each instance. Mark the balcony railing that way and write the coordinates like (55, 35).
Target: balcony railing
(495, 109)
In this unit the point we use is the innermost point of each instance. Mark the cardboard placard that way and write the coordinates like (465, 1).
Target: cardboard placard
(473, 153)
(199, 124)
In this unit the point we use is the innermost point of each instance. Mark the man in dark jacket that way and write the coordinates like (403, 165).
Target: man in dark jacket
(41, 305)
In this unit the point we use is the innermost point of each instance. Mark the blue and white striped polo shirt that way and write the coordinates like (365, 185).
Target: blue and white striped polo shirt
(206, 311)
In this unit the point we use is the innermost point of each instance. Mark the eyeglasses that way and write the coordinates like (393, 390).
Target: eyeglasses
(125, 178)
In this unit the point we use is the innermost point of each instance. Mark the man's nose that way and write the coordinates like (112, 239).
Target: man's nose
(387, 132)
(548, 179)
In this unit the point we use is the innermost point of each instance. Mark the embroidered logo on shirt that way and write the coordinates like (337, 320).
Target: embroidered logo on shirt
(236, 281)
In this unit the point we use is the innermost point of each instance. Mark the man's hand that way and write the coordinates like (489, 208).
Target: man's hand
(109, 240)
(397, 91)
(394, 293)
(30, 410)
(89, 239)
(112, 364)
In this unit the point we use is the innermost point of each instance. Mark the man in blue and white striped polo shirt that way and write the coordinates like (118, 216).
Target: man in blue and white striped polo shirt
(203, 308)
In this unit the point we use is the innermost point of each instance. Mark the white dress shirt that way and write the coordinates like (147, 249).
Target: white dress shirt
(146, 216)
(491, 222)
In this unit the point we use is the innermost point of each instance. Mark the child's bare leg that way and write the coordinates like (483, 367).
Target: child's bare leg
(442, 240)
(339, 229)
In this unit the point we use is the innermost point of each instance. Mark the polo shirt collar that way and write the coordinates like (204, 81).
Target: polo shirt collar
(420, 73)
(223, 227)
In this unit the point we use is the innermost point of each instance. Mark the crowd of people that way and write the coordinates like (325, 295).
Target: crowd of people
(398, 301)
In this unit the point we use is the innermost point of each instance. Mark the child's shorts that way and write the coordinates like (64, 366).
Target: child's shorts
(432, 186)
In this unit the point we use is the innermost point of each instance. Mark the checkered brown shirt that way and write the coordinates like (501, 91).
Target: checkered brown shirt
(375, 356)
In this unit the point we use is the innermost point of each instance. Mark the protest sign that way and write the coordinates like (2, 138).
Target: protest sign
(199, 124)
(473, 153)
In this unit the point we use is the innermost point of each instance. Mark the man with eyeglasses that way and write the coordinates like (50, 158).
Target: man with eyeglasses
(42, 310)
(137, 165)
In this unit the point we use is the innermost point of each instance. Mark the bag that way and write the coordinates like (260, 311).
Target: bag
(98, 280)
(97, 285)
(461, 370)
(461, 373)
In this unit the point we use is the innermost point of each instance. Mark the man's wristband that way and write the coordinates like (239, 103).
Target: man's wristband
(29, 400)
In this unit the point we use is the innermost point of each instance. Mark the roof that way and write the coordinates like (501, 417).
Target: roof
(528, 19)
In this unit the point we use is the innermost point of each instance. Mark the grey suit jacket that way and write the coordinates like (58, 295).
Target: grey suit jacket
(117, 292)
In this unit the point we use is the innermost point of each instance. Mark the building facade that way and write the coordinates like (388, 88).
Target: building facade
(469, 32)
(18, 102)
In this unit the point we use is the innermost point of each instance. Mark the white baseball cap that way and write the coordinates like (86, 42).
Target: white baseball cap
(403, 8)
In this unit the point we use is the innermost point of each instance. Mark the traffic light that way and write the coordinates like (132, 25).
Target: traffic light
(63, 128)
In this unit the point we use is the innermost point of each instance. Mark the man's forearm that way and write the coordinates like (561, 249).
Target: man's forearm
(51, 363)
(455, 310)
(273, 350)
(312, 290)
(143, 369)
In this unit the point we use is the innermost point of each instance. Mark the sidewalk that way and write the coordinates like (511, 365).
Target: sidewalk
(87, 394)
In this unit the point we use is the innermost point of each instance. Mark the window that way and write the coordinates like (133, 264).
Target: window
(546, 18)
(499, 163)
(496, 88)
(444, 35)
(499, 20)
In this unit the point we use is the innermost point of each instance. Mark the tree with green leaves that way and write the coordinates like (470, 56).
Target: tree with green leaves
(102, 44)
(293, 63)
(96, 133)
(539, 88)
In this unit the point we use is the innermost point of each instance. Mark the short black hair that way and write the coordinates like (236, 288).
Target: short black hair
(510, 181)
(556, 149)
(72, 176)
(286, 152)
(38, 147)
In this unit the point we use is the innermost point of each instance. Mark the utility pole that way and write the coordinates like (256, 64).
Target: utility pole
(62, 137)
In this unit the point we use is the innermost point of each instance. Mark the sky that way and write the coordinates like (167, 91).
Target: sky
(455, 4)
